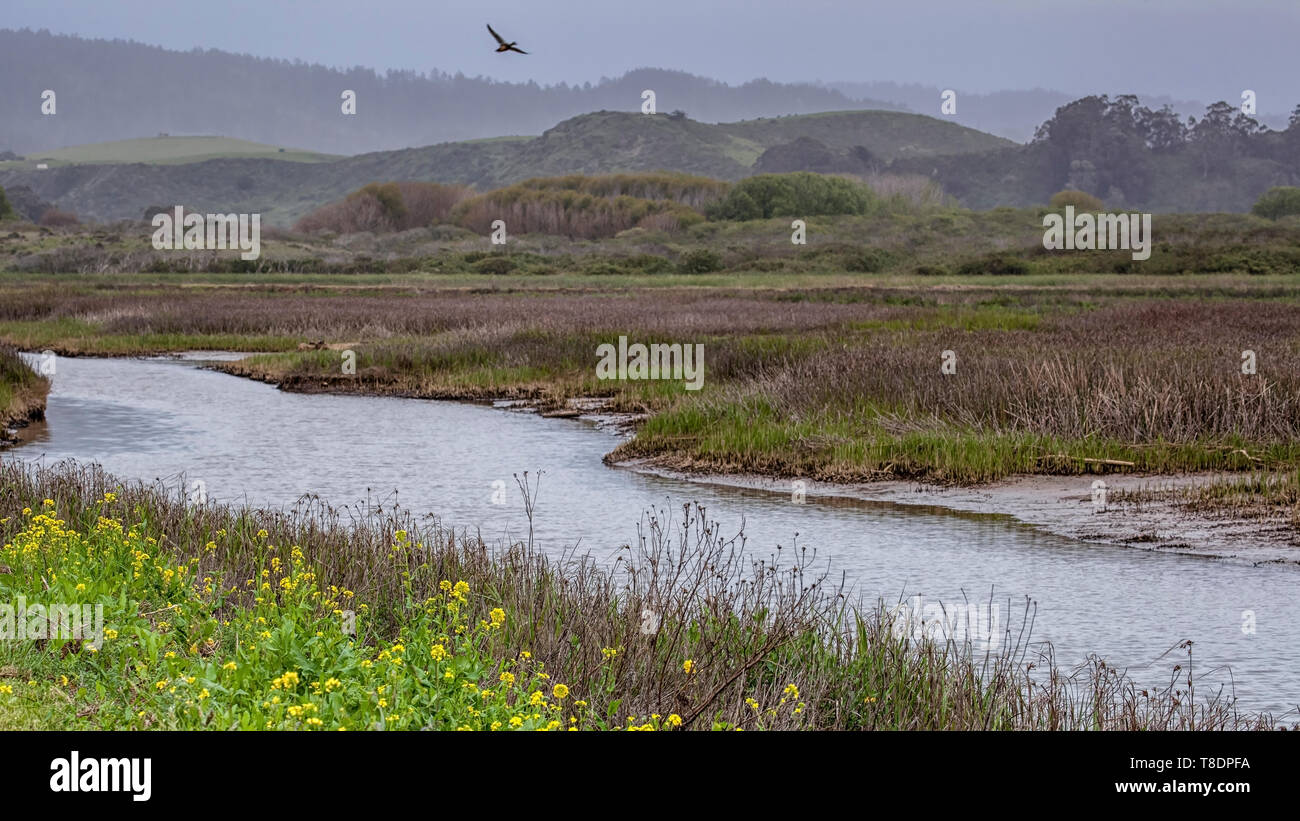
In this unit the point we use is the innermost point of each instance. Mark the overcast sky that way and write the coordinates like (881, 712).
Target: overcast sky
(1189, 49)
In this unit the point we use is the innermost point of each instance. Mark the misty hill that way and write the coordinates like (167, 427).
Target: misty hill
(118, 90)
(1129, 155)
(603, 142)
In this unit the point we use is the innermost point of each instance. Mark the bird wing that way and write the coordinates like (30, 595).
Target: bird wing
(521, 51)
(498, 37)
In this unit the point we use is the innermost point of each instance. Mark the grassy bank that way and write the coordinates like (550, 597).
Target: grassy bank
(22, 391)
(217, 618)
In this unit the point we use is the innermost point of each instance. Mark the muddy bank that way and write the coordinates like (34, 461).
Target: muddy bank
(537, 397)
(28, 406)
(541, 399)
(11, 427)
(1065, 506)
(1062, 505)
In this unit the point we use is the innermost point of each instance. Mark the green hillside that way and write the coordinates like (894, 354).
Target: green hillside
(886, 134)
(96, 182)
(169, 150)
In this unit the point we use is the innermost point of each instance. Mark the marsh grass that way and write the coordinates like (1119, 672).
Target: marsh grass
(22, 390)
(1259, 494)
(1156, 384)
(831, 383)
(733, 640)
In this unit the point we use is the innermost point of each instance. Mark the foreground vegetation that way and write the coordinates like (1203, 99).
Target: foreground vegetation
(217, 618)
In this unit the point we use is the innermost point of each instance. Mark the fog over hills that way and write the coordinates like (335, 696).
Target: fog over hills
(115, 90)
(118, 89)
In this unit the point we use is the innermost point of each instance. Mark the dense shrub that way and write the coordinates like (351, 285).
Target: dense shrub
(800, 194)
(386, 207)
(446, 233)
(603, 267)
(429, 203)
(1281, 201)
(1253, 261)
(681, 188)
(576, 206)
(1080, 200)
(496, 265)
(569, 212)
(650, 263)
(700, 261)
(54, 218)
(869, 260)
(995, 265)
(6, 211)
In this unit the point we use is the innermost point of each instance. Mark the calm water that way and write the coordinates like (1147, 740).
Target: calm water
(246, 441)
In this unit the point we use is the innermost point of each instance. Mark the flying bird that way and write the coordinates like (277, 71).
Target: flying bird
(502, 45)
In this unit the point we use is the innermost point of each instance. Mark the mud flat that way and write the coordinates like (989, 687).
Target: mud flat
(1064, 506)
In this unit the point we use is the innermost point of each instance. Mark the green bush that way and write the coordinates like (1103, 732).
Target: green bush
(700, 261)
(650, 263)
(1251, 261)
(571, 213)
(1282, 201)
(993, 265)
(768, 265)
(495, 265)
(869, 261)
(6, 210)
(603, 267)
(1080, 200)
(801, 194)
(388, 195)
